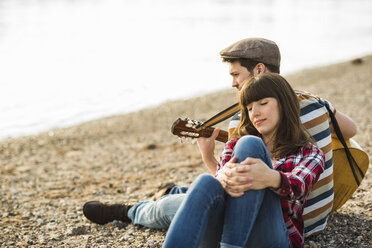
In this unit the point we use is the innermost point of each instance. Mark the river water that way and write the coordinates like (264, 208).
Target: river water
(63, 62)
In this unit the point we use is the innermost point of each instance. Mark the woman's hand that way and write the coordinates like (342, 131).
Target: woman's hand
(222, 178)
(250, 174)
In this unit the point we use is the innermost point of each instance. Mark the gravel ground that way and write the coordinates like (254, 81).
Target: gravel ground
(46, 178)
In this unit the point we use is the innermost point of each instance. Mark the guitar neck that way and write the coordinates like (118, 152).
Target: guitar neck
(223, 136)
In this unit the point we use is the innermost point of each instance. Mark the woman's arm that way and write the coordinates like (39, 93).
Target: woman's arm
(297, 182)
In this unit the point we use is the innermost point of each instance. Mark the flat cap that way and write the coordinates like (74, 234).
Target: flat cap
(257, 49)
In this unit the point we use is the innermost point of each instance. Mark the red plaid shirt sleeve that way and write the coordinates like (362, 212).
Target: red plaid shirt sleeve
(299, 172)
(226, 154)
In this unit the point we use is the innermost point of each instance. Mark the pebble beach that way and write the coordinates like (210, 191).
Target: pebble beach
(45, 179)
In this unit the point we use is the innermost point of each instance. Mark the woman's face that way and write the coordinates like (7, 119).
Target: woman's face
(264, 115)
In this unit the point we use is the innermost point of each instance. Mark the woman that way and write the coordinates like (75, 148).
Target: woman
(283, 164)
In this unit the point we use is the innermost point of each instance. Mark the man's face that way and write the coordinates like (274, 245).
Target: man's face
(238, 73)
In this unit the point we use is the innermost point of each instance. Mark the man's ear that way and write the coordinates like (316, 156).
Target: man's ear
(260, 68)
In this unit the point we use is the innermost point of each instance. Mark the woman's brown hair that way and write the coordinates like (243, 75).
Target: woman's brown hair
(290, 134)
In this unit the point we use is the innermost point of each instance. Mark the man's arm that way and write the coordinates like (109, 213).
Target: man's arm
(206, 147)
(347, 125)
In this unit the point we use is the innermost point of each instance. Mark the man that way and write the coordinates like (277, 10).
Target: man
(246, 58)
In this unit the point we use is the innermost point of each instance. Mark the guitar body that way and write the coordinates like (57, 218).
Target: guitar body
(343, 178)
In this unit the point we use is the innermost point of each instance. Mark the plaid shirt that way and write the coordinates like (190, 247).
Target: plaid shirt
(298, 173)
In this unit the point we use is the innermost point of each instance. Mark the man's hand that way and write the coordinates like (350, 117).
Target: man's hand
(251, 174)
(206, 147)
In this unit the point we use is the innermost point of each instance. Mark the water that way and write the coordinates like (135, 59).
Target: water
(68, 61)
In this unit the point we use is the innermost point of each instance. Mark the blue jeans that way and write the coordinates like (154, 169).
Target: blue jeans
(208, 215)
(156, 214)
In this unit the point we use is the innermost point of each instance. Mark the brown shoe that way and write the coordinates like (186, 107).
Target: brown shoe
(163, 190)
(101, 213)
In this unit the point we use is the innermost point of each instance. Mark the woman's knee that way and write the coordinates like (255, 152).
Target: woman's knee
(249, 146)
(206, 180)
(206, 184)
(250, 141)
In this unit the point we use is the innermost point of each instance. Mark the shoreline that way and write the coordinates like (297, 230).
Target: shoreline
(46, 178)
(150, 106)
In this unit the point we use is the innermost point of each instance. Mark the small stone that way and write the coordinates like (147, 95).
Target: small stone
(99, 241)
(147, 234)
(119, 224)
(127, 237)
(151, 243)
(80, 230)
(56, 237)
(357, 61)
(151, 147)
(312, 244)
(40, 222)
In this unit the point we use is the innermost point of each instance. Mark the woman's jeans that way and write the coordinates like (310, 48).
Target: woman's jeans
(208, 216)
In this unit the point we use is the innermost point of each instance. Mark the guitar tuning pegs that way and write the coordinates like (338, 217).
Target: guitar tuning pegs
(198, 124)
(189, 134)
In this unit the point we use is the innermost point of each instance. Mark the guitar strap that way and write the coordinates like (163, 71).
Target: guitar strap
(353, 164)
(221, 116)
